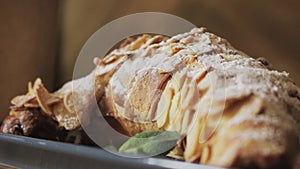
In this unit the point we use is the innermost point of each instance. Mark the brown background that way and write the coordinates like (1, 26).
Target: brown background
(43, 37)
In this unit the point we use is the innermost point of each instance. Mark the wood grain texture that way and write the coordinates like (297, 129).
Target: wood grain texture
(27, 46)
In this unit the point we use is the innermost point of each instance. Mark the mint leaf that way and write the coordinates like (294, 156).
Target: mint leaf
(150, 143)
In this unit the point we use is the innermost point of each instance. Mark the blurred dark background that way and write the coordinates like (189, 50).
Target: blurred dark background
(42, 38)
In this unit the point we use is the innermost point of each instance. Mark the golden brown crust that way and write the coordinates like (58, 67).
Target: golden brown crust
(233, 110)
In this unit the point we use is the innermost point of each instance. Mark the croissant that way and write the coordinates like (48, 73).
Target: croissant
(233, 110)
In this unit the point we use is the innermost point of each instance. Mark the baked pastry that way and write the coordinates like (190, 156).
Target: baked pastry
(231, 109)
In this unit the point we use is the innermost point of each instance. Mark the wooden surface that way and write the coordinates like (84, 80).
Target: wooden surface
(27, 46)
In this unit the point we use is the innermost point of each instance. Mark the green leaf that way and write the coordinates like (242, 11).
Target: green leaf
(150, 143)
(110, 148)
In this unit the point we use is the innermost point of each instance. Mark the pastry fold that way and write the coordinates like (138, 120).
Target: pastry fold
(230, 109)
